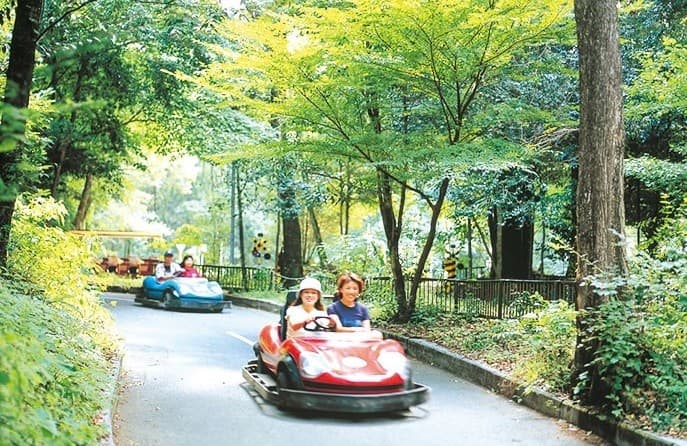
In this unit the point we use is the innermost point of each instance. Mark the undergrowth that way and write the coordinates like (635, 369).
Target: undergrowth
(56, 345)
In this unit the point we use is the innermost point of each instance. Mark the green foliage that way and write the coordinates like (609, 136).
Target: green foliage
(357, 252)
(55, 343)
(670, 237)
(549, 333)
(513, 189)
(618, 331)
(642, 340)
(661, 176)
(380, 301)
(52, 374)
(188, 235)
(425, 315)
(44, 255)
(525, 302)
(413, 90)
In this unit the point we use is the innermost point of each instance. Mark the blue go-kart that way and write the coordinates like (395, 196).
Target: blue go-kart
(182, 293)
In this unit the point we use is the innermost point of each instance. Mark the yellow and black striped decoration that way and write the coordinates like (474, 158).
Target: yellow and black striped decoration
(449, 265)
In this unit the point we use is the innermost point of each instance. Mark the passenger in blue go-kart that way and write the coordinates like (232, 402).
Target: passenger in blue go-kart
(168, 269)
(187, 268)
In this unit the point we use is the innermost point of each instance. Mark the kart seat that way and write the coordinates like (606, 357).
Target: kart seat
(290, 298)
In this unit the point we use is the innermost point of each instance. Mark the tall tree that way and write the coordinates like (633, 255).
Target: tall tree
(393, 89)
(22, 62)
(290, 258)
(109, 71)
(600, 205)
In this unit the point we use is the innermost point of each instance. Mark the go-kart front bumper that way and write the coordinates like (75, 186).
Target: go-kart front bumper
(333, 402)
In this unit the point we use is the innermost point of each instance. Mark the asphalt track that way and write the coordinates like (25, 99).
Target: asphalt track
(181, 384)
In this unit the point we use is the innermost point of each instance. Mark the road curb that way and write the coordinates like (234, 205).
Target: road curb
(257, 304)
(619, 434)
(546, 403)
(112, 396)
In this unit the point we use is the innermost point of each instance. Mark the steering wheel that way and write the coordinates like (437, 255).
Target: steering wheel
(320, 323)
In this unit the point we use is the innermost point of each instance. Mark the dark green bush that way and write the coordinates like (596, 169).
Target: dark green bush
(642, 357)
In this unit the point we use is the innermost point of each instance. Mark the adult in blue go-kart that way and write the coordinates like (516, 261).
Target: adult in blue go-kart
(174, 286)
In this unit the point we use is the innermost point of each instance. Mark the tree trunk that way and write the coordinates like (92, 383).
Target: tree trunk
(22, 58)
(470, 259)
(291, 261)
(392, 229)
(427, 247)
(233, 172)
(317, 237)
(84, 203)
(345, 192)
(600, 204)
(495, 227)
(63, 145)
(305, 228)
(512, 246)
(19, 77)
(239, 222)
(277, 257)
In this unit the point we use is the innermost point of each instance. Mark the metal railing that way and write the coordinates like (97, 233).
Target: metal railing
(232, 277)
(505, 298)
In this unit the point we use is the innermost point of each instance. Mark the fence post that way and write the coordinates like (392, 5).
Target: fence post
(500, 300)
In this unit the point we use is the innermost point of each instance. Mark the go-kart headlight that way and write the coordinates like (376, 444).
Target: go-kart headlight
(394, 362)
(313, 365)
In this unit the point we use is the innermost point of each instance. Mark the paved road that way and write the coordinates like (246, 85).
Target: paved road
(182, 385)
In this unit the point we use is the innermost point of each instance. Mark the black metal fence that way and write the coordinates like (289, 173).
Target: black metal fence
(506, 298)
(232, 277)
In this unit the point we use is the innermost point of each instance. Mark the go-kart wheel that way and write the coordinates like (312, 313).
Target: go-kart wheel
(287, 376)
(283, 379)
(167, 297)
(262, 368)
(282, 383)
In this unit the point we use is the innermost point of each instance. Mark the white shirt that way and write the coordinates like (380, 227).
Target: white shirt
(298, 314)
(164, 271)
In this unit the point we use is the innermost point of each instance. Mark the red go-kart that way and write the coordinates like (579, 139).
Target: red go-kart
(333, 372)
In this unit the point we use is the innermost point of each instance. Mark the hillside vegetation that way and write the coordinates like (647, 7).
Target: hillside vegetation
(56, 346)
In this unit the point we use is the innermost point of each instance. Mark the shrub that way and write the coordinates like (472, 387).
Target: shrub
(548, 347)
(51, 375)
(642, 334)
(55, 338)
(380, 301)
